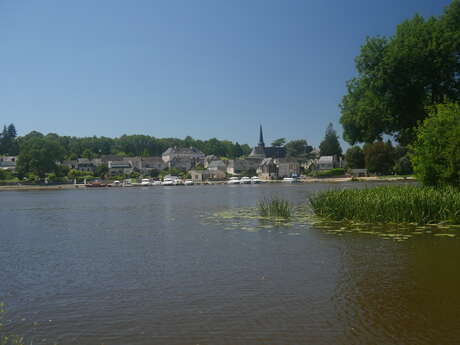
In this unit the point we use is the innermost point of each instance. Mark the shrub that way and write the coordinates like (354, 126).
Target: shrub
(436, 152)
(275, 208)
(399, 204)
(329, 173)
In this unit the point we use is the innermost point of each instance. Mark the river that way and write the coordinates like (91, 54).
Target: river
(147, 266)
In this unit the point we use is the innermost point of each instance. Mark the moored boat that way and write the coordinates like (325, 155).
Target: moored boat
(245, 180)
(233, 180)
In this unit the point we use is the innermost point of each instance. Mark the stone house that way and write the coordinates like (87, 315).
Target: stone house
(267, 169)
(237, 166)
(287, 167)
(190, 153)
(8, 162)
(119, 168)
(328, 162)
(199, 176)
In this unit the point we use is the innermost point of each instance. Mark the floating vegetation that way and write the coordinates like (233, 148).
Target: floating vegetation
(275, 208)
(249, 220)
(390, 204)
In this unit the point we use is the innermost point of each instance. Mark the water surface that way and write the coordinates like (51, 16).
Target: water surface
(147, 266)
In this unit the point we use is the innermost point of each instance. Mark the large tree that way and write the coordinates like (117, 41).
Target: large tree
(379, 157)
(330, 145)
(399, 76)
(298, 148)
(354, 158)
(39, 155)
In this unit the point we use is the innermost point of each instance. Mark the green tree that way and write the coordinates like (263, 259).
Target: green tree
(330, 145)
(399, 76)
(379, 157)
(38, 155)
(102, 170)
(279, 142)
(436, 151)
(354, 157)
(298, 148)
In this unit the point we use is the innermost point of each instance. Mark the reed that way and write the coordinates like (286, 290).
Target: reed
(390, 204)
(275, 208)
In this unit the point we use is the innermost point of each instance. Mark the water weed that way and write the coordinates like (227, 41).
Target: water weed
(390, 204)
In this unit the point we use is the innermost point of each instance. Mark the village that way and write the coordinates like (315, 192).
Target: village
(189, 165)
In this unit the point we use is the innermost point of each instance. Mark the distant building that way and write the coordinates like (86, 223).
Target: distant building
(237, 166)
(287, 167)
(199, 176)
(274, 168)
(183, 158)
(8, 162)
(119, 168)
(328, 162)
(260, 151)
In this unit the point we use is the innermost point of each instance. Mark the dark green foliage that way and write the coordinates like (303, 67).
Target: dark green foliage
(379, 157)
(275, 208)
(400, 75)
(8, 142)
(298, 148)
(279, 142)
(330, 145)
(354, 157)
(436, 152)
(38, 155)
(329, 173)
(102, 170)
(398, 204)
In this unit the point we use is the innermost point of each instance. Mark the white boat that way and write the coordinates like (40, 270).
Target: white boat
(245, 180)
(116, 183)
(290, 180)
(156, 183)
(128, 183)
(233, 180)
(168, 182)
(256, 180)
(178, 182)
(188, 183)
(145, 182)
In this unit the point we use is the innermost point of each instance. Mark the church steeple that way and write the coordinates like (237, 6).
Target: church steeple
(261, 137)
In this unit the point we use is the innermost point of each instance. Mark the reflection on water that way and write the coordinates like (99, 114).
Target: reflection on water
(149, 265)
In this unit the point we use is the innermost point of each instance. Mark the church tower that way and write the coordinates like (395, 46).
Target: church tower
(259, 150)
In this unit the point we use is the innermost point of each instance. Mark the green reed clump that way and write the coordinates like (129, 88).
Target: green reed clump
(390, 204)
(275, 208)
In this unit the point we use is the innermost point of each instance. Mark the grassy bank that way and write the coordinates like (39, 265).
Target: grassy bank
(390, 204)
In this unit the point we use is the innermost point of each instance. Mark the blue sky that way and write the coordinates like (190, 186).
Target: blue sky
(205, 68)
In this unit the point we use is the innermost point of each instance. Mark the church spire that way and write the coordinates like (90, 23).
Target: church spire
(261, 137)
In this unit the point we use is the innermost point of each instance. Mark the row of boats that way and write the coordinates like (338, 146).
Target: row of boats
(176, 181)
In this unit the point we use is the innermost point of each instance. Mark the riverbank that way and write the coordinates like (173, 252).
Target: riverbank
(19, 187)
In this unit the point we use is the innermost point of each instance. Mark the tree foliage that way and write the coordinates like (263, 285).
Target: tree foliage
(354, 157)
(279, 142)
(399, 76)
(379, 157)
(298, 148)
(436, 151)
(39, 155)
(330, 145)
(8, 143)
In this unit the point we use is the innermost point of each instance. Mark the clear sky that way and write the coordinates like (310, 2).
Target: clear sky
(205, 68)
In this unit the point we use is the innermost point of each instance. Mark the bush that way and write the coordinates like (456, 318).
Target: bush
(329, 173)
(275, 208)
(436, 152)
(399, 204)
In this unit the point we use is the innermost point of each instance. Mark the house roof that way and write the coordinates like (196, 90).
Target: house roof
(183, 150)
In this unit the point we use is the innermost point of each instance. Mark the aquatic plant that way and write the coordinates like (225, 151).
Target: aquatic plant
(8, 339)
(390, 204)
(275, 208)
